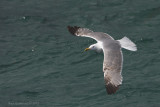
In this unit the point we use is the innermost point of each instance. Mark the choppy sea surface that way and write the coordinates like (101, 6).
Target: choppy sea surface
(43, 65)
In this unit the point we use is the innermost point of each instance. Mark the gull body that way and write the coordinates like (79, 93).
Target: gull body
(113, 57)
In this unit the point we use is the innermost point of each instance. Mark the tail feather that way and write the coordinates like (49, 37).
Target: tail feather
(127, 44)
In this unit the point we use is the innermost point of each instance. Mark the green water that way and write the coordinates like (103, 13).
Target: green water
(42, 65)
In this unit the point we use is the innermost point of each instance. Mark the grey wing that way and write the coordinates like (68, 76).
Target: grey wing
(84, 32)
(112, 67)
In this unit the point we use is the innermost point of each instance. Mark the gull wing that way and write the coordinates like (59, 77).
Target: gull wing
(112, 67)
(84, 32)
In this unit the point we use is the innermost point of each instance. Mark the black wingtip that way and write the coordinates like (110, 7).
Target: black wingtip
(111, 89)
(73, 29)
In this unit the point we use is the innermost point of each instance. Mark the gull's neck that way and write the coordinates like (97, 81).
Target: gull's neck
(99, 46)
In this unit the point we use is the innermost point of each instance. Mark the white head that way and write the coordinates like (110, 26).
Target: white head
(95, 47)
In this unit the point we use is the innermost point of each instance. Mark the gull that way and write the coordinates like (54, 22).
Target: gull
(113, 57)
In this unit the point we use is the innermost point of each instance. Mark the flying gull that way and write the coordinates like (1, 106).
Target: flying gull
(113, 57)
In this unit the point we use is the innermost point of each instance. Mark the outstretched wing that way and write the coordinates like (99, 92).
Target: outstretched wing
(84, 32)
(112, 67)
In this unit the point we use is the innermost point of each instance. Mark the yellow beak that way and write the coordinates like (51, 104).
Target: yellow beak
(87, 49)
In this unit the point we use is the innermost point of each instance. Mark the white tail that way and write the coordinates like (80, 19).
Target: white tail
(127, 44)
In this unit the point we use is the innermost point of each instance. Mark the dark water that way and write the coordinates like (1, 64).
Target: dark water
(42, 65)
